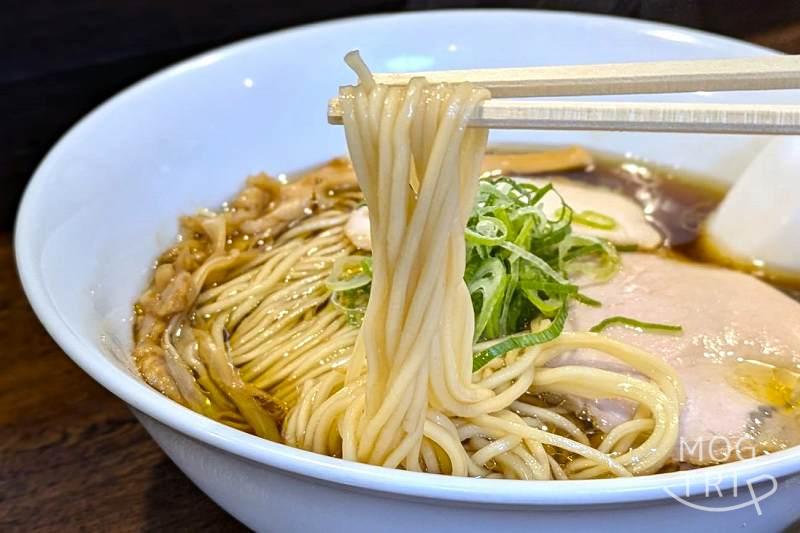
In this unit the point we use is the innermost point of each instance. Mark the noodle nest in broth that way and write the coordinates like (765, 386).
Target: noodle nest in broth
(246, 319)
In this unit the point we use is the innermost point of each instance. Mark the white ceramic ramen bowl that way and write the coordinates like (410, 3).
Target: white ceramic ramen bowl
(107, 197)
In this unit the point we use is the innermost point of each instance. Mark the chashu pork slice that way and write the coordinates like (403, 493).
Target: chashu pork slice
(731, 323)
(631, 227)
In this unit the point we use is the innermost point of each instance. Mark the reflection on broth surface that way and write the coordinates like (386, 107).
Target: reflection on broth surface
(676, 204)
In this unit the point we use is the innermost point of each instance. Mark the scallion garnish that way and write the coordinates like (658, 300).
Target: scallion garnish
(525, 277)
(638, 324)
(593, 219)
(519, 271)
(520, 340)
(487, 231)
(350, 281)
(585, 300)
(349, 273)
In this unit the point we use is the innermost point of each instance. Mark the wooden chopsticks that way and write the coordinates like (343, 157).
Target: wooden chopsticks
(745, 74)
(760, 73)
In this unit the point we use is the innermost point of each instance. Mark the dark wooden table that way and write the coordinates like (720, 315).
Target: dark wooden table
(72, 457)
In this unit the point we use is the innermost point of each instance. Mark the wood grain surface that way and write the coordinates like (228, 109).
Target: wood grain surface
(72, 457)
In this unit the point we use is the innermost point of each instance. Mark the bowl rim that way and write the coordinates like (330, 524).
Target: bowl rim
(285, 458)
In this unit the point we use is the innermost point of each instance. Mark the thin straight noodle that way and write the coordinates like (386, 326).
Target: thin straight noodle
(551, 417)
(407, 397)
(626, 443)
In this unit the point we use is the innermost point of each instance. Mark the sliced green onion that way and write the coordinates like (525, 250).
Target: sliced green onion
(585, 300)
(349, 284)
(592, 219)
(548, 305)
(541, 193)
(521, 340)
(537, 261)
(490, 283)
(488, 231)
(596, 220)
(366, 266)
(633, 323)
(564, 289)
(348, 273)
(489, 187)
(352, 304)
(588, 255)
(520, 262)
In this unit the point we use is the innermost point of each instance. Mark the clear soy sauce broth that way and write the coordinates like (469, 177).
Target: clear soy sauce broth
(676, 203)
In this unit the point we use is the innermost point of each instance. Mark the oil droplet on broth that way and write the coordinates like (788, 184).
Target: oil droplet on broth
(774, 386)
